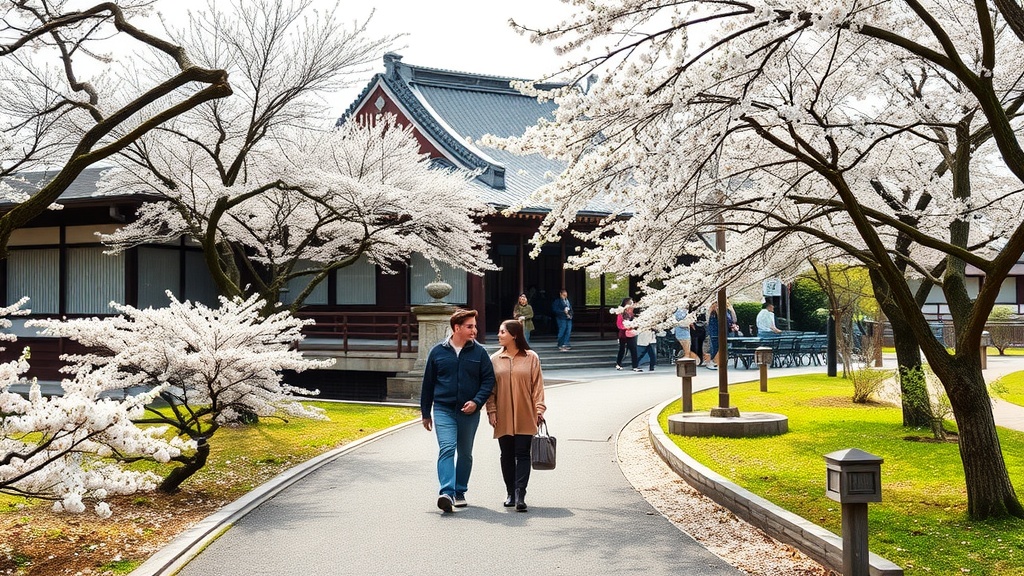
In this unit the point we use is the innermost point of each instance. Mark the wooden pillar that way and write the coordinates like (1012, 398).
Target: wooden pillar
(475, 299)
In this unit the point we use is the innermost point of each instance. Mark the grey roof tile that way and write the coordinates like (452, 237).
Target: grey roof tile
(456, 109)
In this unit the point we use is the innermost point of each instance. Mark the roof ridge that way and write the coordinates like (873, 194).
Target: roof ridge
(427, 75)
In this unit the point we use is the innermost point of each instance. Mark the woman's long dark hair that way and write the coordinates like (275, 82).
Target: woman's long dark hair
(625, 301)
(515, 329)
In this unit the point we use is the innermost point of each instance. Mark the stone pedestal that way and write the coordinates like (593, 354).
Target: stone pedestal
(434, 326)
(751, 424)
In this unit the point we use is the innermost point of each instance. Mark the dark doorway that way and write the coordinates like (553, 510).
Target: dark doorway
(540, 278)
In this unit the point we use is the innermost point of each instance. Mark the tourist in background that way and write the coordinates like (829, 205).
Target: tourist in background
(712, 362)
(682, 332)
(766, 321)
(733, 322)
(523, 312)
(699, 333)
(561, 308)
(627, 335)
(646, 346)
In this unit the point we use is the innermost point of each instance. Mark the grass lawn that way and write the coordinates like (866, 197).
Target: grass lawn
(37, 541)
(1011, 388)
(921, 523)
(252, 455)
(993, 351)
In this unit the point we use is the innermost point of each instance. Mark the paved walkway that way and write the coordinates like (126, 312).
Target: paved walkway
(373, 510)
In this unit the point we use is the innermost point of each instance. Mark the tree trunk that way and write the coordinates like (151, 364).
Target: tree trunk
(191, 465)
(989, 491)
(913, 390)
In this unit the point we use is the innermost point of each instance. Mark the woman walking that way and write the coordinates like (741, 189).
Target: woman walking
(627, 335)
(515, 408)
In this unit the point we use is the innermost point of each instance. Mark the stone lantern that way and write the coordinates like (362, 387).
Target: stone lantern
(854, 478)
(686, 368)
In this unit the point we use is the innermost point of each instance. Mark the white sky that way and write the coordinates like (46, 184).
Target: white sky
(461, 35)
(469, 35)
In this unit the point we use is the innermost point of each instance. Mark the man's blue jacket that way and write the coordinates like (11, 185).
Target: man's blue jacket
(451, 380)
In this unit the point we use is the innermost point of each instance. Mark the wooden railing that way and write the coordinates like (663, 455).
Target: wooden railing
(372, 331)
(595, 320)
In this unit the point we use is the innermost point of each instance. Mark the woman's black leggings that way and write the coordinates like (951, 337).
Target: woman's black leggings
(624, 344)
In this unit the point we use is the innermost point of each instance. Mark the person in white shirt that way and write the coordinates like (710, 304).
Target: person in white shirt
(766, 321)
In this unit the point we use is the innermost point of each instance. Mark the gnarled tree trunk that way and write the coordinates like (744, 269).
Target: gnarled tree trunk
(989, 491)
(190, 466)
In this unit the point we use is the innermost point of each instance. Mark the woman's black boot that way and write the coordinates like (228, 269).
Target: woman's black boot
(510, 501)
(520, 499)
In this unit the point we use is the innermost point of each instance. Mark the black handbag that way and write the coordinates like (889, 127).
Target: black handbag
(542, 449)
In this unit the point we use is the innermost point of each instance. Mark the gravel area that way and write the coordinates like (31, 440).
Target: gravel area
(713, 526)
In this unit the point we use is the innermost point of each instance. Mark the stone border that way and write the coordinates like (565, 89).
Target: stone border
(187, 545)
(819, 544)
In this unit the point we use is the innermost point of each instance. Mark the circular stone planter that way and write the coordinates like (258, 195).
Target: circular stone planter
(748, 424)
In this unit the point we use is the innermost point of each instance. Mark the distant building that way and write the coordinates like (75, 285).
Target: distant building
(1011, 292)
(450, 112)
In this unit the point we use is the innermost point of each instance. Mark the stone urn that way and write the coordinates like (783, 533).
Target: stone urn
(438, 289)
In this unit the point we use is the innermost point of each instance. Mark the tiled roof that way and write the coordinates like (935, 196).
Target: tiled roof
(84, 187)
(456, 109)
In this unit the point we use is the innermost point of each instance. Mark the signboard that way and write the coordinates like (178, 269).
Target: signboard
(772, 287)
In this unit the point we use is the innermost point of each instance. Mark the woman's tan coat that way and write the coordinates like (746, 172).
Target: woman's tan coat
(518, 396)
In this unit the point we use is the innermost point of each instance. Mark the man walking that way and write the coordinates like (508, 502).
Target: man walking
(457, 380)
(562, 310)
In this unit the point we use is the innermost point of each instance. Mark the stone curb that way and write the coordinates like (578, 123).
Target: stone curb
(187, 545)
(822, 546)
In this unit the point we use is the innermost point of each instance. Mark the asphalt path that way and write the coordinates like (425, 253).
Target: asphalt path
(373, 511)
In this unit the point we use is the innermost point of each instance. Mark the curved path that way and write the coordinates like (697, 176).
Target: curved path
(372, 510)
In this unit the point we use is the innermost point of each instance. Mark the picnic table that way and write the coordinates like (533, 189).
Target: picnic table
(788, 349)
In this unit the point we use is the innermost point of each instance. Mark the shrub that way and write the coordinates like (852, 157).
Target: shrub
(1002, 313)
(746, 315)
(805, 300)
(923, 391)
(866, 382)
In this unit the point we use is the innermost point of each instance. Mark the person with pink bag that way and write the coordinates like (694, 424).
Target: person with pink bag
(627, 335)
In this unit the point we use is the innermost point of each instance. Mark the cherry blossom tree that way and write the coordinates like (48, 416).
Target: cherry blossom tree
(787, 128)
(68, 448)
(55, 113)
(311, 204)
(271, 194)
(211, 366)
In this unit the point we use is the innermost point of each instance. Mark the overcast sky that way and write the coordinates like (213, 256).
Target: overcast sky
(461, 35)
(468, 35)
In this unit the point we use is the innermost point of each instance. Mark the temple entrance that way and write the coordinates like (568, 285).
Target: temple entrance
(540, 278)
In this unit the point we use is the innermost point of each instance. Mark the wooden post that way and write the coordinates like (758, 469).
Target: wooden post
(856, 561)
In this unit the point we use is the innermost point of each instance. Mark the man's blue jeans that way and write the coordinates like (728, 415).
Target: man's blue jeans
(564, 330)
(455, 434)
